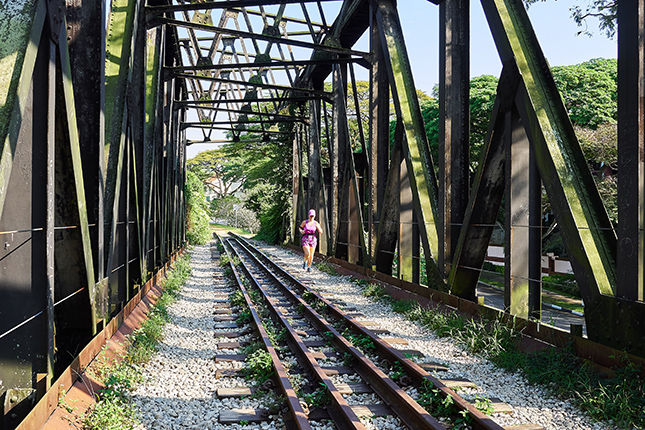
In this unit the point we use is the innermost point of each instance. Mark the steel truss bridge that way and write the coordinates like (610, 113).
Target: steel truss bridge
(95, 122)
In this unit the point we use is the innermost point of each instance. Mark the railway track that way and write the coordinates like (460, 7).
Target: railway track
(329, 366)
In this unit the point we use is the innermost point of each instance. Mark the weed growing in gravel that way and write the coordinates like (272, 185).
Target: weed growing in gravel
(236, 298)
(114, 410)
(327, 268)
(620, 399)
(318, 398)
(360, 341)
(439, 405)
(259, 366)
(224, 260)
(244, 316)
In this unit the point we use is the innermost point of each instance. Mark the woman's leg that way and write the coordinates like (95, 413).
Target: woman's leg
(307, 251)
(311, 256)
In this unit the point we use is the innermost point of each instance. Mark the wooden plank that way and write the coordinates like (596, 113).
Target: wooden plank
(433, 367)
(314, 343)
(358, 388)
(219, 358)
(524, 427)
(230, 334)
(229, 345)
(367, 323)
(458, 382)
(224, 318)
(338, 370)
(499, 407)
(226, 373)
(411, 353)
(379, 331)
(323, 355)
(237, 415)
(395, 340)
(226, 325)
(378, 410)
(235, 391)
(223, 311)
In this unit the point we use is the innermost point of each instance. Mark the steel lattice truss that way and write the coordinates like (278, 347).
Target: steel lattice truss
(95, 125)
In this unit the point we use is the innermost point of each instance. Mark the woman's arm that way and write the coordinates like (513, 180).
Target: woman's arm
(318, 227)
(302, 226)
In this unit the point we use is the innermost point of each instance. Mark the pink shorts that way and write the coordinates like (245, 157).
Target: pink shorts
(309, 240)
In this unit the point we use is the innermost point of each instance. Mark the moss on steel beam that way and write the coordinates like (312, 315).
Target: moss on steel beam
(571, 189)
(118, 46)
(21, 22)
(422, 177)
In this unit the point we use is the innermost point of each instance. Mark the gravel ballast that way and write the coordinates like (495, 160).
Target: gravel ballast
(179, 389)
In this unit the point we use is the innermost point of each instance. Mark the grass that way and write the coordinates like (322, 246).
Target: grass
(223, 227)
(114, 411)
(619, 399)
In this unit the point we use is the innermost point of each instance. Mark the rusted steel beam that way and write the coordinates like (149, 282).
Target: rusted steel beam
(631, 151)
(454, 125)
(417, 154)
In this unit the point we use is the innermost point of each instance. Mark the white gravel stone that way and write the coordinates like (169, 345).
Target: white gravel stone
(180, 387)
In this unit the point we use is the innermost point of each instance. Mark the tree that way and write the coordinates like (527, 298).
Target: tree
(214, 169)
(605, 10)
(589, 91)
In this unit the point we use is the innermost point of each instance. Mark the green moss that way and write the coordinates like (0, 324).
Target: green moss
(16, 20)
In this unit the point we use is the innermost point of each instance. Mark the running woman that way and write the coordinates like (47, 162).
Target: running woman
(308, 230)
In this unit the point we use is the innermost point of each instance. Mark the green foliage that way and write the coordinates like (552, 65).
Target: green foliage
(236, 298)
(318, 398)
(114, 411)
(589, 91)
(197, 211)
(259, 366)
(564, 283)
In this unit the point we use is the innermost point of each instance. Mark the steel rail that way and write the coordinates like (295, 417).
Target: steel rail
(401, 403)
(298, 417)
(480, 420)
(343, 415)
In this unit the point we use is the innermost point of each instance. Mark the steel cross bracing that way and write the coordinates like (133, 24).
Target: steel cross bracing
(95, 124)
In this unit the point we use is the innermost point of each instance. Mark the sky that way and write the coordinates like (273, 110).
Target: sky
(556, 31)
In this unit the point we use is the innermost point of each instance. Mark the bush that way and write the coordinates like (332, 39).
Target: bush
(197, 211)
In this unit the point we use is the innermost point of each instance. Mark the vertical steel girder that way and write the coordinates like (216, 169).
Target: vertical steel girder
(51, 198)
(379, 146)
(481, 213)
(408, 251)
(631, 151)
(522, 292)
(388, 228)
(416, 152)
(454, 124)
